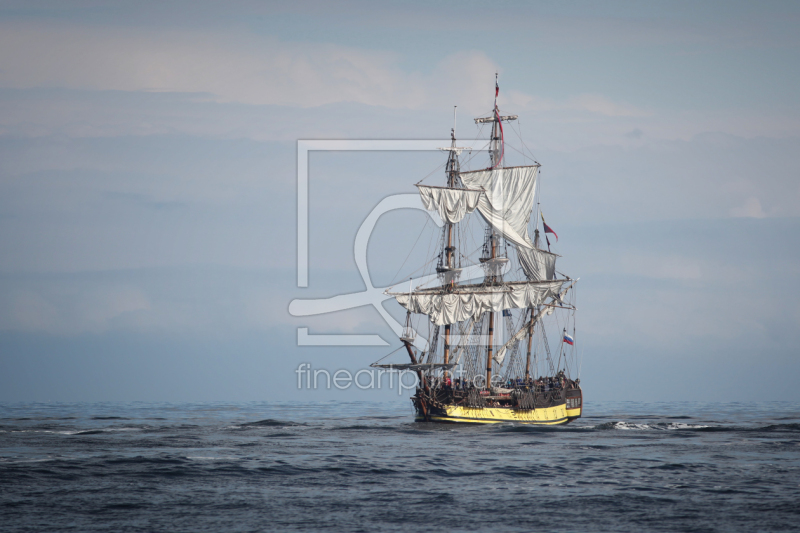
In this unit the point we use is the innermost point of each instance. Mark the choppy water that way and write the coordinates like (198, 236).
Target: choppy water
(357, 467)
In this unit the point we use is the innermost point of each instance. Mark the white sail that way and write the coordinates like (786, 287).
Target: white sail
(507, 201)
(451, 204)
(471, 302)
(501, 353)
(538, 265)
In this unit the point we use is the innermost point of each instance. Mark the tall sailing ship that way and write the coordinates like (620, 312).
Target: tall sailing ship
(486, 357)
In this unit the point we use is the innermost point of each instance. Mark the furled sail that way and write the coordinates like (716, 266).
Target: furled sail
(538, 265)
(451, 204)
(501, 353)
(507, 200)
(470, 302)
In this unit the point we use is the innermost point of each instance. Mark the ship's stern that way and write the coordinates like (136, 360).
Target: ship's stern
(574, 403)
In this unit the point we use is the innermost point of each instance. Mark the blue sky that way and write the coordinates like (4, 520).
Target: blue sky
(148, 184)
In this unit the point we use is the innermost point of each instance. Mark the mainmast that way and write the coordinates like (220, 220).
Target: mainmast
(528, 356)
(496, 149)
(496, 143)
(492, 280)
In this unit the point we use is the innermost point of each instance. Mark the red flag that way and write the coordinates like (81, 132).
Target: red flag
(548, 229)
(496, 89)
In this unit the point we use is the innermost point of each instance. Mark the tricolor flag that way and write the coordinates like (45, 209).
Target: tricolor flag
(569, 340)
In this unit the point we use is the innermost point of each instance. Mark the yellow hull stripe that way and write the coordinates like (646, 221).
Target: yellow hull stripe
(494, 415)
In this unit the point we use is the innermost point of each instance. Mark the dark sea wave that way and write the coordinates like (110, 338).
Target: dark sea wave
(369, 467)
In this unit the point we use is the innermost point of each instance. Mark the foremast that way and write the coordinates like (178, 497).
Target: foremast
(448, 270)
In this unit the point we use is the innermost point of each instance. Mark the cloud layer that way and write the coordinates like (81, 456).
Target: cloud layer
(148, 171)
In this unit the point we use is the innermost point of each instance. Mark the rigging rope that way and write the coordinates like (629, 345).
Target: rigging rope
(394, 279)
(502, 142)
(387, 355)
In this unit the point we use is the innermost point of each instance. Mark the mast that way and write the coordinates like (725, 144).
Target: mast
(528, 357)
(496, 142)
(453, 168)
(408, 339)
(495, 147)
(495, 158)
(496, 155)
(492, 279)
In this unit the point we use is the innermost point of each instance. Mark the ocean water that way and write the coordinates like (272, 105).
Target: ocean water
(370, 467)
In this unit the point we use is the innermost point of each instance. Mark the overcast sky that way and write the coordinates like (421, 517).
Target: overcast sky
(148, 185)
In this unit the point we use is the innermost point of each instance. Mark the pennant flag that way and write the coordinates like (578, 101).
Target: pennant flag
(569, 340)
(548, 229)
